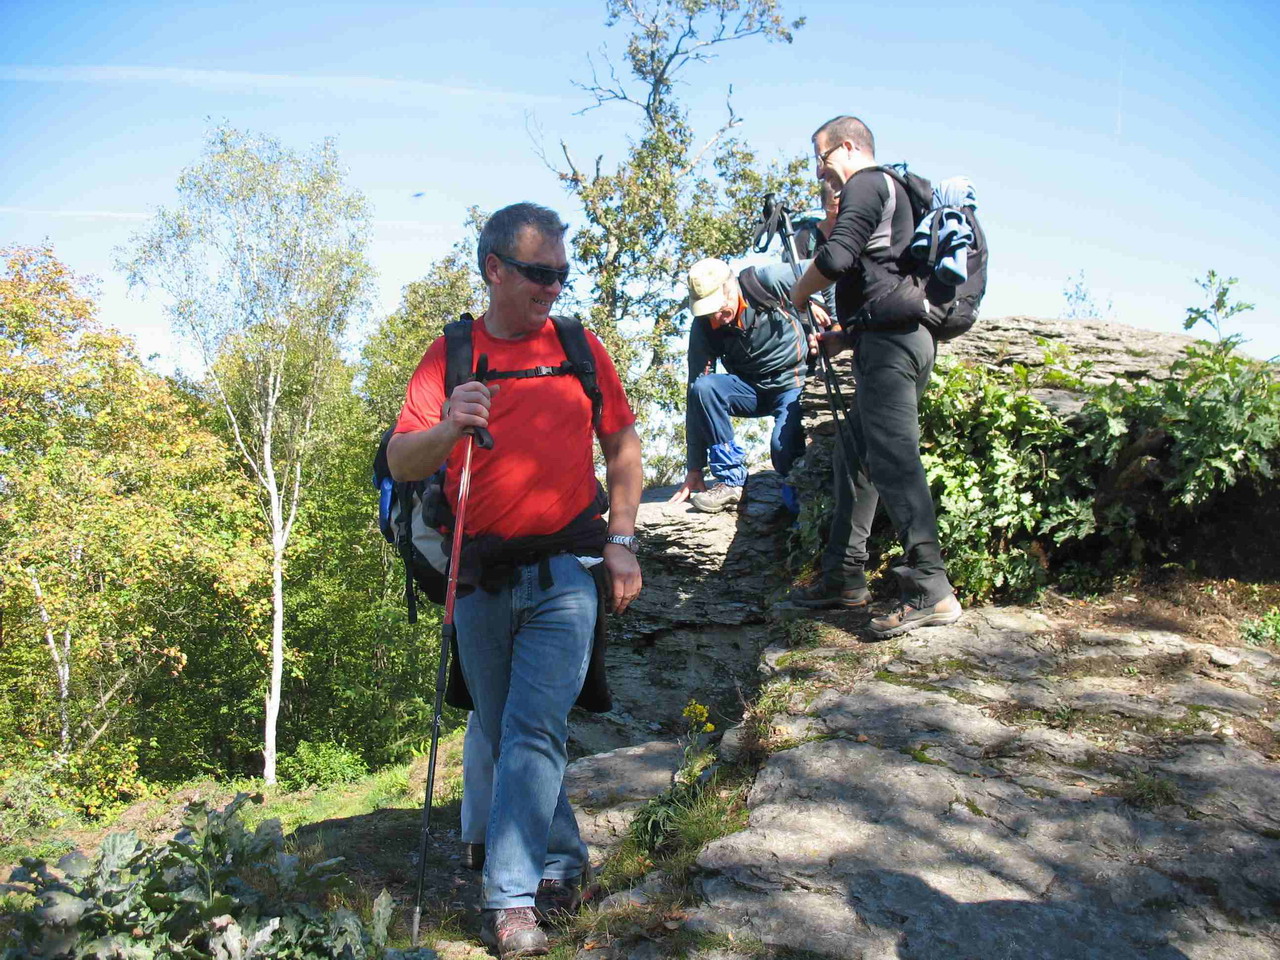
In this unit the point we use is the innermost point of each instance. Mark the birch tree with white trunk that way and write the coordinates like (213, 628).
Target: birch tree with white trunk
(262, 266)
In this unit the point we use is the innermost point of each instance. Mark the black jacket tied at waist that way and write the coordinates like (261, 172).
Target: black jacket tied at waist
(490, 562)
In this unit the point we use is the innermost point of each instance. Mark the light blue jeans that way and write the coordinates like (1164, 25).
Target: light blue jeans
(524, 653)
(477, 782)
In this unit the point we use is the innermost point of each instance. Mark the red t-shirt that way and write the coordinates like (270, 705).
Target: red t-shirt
(540, 473)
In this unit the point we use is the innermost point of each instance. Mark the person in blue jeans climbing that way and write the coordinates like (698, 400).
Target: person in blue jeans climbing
(746, 323)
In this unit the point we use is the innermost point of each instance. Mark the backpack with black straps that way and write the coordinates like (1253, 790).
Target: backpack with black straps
(938, 283)
(413, 516)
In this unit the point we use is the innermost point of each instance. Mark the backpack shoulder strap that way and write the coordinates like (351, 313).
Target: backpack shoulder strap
(573, 338)
(457, 353)
(918, 190)
(757, 296)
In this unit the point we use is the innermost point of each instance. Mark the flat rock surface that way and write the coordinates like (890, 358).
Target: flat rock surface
(1012, 786)
(699, 624)
(606, 789)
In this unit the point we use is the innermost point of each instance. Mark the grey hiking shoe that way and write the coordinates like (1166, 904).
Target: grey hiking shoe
(825, 595)
(905, 617)
(472, 857)
(513, 933)
(718, 498)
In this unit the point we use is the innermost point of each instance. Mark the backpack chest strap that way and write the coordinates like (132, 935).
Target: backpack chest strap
(564, 369)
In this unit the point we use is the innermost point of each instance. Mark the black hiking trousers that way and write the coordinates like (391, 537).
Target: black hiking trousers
(891, 369)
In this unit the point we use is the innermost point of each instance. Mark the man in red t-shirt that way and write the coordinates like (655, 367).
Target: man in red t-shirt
(524, 641)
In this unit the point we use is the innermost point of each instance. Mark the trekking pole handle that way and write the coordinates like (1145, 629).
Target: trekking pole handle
(484, 439)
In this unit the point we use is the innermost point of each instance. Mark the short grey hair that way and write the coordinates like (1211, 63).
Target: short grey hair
(503, 228)
(847, 128)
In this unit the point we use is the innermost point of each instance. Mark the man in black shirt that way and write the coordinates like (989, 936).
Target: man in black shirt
(893, 360)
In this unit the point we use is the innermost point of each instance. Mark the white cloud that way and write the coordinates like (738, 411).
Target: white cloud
(75, 214)
(245, 82)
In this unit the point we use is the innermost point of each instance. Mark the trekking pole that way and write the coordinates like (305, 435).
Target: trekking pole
(481, 436)
(777, 219)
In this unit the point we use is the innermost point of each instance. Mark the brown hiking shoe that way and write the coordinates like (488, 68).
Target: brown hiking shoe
(720, 497)
(513, 933)
(905, 617)
(558, 898)
(825, 595)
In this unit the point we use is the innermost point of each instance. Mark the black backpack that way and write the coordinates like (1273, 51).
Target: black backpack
(951, 308)
(412, 516)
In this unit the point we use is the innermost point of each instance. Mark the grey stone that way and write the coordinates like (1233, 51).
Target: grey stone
(733, 746)
(855, 851)
(1221, 657)
(901, 717)
(607, 789)
(1206, 693)
(770, 656)
(628, 773)
(1226, 780)
(639, 895)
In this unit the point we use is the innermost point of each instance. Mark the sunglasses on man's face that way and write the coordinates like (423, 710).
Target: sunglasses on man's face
(537, 273)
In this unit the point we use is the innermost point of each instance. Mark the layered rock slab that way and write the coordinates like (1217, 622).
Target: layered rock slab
(939, 810)
(698, 626)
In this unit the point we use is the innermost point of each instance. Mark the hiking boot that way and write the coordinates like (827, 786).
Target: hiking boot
(905, 617)
(472, 857)
(557, 898)
(824, 595)
(720, 497)
(513, 933)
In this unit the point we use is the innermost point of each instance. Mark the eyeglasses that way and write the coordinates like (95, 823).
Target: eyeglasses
(822, 157)
(543, 276)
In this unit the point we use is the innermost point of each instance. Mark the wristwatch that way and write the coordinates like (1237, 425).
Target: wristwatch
(631, 543)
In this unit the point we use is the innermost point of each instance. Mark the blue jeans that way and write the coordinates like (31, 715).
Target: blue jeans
(524, 653)
(714, 399)
(477, 782)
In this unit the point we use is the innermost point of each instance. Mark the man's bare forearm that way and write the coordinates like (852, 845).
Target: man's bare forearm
(624, 476)
(417, 455)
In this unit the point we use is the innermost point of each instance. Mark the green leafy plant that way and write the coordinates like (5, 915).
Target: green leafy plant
(657, 824)
(320, 764)
(214, 890)
(29, 810)
(1024, 495)
(1219, 307)
(991, 455)
(1263, 631)
(1079, 303)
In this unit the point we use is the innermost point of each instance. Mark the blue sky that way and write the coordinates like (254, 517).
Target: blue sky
(1135, 142)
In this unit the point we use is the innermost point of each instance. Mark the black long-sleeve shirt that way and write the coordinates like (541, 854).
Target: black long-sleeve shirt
(875, 220)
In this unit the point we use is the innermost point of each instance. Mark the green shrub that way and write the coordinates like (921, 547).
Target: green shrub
(98, 780)
(1023, 496)
(29, 810)
(1264, 631)
(215, 890)
(993, 455)
(320, 764)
